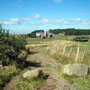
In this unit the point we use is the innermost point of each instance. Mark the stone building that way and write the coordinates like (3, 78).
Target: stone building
(45, 34)
(39, 34)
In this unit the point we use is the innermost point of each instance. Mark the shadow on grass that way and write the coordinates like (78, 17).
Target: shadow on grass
(32, 64)
(33, 53)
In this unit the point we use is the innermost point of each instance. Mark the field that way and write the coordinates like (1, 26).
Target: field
(50, 55)
(64, 50)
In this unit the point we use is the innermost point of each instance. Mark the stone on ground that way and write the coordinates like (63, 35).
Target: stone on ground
(76, 69)
(33, 73)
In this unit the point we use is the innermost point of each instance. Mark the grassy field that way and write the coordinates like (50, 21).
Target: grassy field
(58, 48)
(55, 48)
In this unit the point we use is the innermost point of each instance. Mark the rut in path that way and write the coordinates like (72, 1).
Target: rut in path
(54, 82)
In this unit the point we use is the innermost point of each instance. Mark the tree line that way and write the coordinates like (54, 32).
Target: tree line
(70, 31)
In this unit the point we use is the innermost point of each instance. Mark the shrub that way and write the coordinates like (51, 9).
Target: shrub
(10, 48)
(81, 39)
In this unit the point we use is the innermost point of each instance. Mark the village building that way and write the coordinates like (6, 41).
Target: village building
(39, 34)
(45, 34)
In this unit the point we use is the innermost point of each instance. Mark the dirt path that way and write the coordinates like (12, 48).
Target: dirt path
(54, 82)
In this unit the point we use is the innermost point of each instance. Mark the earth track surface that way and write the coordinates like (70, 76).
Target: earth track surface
(51, 66)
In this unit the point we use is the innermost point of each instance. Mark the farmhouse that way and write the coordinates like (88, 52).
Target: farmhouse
(39, 34)
(44, 34)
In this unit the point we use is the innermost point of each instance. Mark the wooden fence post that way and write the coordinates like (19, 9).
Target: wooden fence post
(70, 52)
(83, 55)
(77, 54)
(64, 49)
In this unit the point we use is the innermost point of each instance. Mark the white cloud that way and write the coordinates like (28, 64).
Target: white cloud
(59, 21)
(54, 22)
(11, 21)
(66, 23)
(77, 20)
(38, 23)
(58, 1)
(85, 23)
(14, 21)
(62, 22)
(82, 22)
(44, 21)
(37, 16)
(26, 19)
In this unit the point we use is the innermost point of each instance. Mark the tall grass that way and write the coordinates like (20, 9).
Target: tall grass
(6, 74)
(56, 51)
(30, 84)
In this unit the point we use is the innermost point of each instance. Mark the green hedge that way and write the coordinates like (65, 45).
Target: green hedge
(10, 48)
(81, 39)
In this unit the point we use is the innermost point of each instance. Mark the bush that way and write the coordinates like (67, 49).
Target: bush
(81, 39)
(10, 48)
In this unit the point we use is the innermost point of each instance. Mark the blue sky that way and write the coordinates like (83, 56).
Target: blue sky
(23, 16)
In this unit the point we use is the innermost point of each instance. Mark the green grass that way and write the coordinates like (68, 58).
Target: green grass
(38, 40)
(30, 84)
(6, 74)
(64, 59)
(79, 82)
(61, 58)
(47, 65)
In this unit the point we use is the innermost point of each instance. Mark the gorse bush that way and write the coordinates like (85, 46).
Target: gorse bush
(10, 48)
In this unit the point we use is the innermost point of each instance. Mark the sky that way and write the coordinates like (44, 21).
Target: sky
(24, 16)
